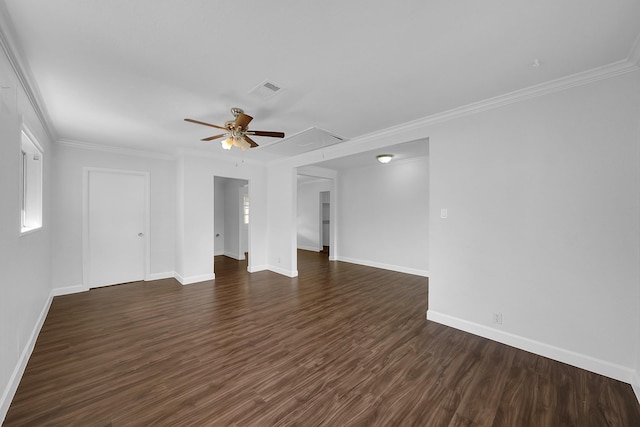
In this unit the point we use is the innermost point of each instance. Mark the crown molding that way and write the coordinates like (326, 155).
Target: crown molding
(564, 83)
(415, 129)
(22, 70)
(634, 53)
(412, 130)
(114, 150)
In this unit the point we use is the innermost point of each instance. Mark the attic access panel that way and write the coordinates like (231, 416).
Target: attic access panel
(302, 142)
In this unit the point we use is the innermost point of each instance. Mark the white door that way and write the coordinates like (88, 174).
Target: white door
(116, 216)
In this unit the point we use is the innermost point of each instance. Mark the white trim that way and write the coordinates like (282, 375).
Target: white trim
(398, 268)
(85, 219)
(194, 279)
(557, 85)
(160, 276)
(279, 270)
(602, 367)
(28, 136)
(68, 290)
(309, 248)
(234, 256)
(23, 71)
(635, 385)
(12, 386)
(634, 52)
(256, 268)
(419, 128)
(113, 149)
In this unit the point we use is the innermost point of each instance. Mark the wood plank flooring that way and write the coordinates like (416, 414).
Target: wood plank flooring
(340, 345)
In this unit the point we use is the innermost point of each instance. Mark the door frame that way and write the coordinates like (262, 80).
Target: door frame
(86, 255)
(249, 187)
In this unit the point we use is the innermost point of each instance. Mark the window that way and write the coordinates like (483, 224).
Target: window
(245, 208)
(30, 183)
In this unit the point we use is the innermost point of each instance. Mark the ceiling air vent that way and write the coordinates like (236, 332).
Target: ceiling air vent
(265, 90)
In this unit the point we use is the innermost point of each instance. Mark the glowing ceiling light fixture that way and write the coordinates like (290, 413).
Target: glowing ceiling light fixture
(227, 143)
(384, 158)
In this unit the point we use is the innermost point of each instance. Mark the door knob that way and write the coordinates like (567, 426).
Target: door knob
(140, 234)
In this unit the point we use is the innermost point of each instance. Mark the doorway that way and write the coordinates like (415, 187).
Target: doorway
(325, 220)
(115, 226)
(315, 227)
(231, 219)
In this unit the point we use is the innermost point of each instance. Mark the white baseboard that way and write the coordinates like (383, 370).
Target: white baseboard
(602, 367)
(398, 268)
(68, 290)
(194, 279)
(11, 388)
(234, 256)
(635, 385)
(160, 276)
(255, 268)
(288, 273)
(310, 248)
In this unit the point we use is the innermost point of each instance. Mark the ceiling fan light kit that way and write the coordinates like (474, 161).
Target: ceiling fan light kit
(237, 131)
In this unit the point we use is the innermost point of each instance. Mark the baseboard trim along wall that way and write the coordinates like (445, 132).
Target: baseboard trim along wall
(635, 385)
(602, 367)
(398, 268)
(194, 279)
(255, 268)
(68, 290)
(10, 391)
(160, 276)
(288, 273)
(310, 248)
(234, 256)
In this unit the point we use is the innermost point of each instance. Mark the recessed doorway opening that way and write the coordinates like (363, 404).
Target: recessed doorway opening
(230, 223)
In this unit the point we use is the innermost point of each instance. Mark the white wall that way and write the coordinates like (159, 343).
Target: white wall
(218, 216)
(25, 261)
(308, 213)
(281, 205)
(384, 216)
(69, 162)
(543, 224)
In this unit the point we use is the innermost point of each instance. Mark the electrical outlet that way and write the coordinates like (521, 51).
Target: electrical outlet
(496, 318)
(443, 213)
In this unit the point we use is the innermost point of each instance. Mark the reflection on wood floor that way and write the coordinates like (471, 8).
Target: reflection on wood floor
(341, 344)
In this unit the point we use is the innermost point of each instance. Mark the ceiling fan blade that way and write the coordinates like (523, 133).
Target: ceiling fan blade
(205, 124)
(243, 120)
(266, 133)
(211, 138)
(250, 141)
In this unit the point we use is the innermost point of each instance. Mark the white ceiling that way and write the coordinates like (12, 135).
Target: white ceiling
(126, 73)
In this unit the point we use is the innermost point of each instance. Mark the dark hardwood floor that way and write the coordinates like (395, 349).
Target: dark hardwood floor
(340, 345)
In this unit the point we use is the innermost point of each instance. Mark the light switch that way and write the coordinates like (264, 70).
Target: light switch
(443, 213)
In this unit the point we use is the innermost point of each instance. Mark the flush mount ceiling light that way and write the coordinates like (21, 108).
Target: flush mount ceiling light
(384, 158)
(237, 132)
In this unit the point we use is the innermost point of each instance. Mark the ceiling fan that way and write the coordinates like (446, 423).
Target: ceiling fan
(237, 131)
